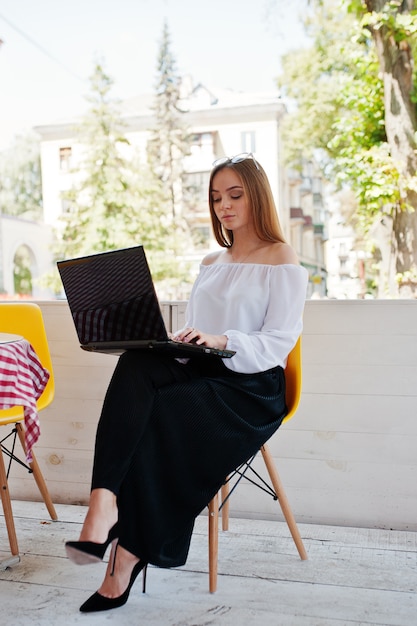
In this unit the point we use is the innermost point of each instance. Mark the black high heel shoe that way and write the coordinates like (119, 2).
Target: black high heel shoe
(85, 552)
(97, 602)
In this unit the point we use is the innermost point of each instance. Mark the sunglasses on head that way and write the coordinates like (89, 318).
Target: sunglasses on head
(236, 159)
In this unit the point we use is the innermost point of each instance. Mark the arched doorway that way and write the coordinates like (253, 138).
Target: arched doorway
(23, 265)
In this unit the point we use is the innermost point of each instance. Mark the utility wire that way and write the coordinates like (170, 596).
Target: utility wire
(41, 48)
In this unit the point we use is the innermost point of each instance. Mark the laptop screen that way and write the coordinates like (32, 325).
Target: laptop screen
(112, 297)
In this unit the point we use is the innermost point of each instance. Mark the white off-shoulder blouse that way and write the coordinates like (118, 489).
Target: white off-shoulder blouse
(258, 307)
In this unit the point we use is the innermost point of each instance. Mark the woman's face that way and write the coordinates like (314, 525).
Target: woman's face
(229, 200)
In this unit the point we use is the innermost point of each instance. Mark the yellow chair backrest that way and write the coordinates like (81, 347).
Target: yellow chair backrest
(293, 380)
(25, 319)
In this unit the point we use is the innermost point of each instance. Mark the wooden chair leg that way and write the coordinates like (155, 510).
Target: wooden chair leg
(213, 540)
(7, 508)
(283, 501)
(38, 476)
(225, 506)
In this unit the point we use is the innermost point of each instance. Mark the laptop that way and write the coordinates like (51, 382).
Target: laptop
(114, 305)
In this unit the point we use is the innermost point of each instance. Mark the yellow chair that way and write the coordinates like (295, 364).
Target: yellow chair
(25, 319)
(293, 379)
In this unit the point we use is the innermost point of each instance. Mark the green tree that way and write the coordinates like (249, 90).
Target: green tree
(22, 275)
(20, 179)
(393, 28)
(169, 143)
(364, 125)
(116, 200)
(109, 205)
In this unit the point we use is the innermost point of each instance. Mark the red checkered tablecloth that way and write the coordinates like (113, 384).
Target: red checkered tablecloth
(22, 380)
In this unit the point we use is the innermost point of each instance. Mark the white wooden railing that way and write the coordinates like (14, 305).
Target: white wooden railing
(349, 456)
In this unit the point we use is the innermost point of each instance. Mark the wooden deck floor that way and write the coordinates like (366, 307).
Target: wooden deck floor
(353, 576)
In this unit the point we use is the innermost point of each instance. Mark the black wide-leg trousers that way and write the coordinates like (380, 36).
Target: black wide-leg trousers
(169, 434)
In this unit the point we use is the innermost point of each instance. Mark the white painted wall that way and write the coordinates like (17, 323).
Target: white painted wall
(348, 457)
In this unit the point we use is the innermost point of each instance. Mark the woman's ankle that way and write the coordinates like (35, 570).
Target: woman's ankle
(101, 516)
(118, 573)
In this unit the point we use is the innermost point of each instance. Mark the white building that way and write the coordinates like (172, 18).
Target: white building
(308, 222)
(223, 124)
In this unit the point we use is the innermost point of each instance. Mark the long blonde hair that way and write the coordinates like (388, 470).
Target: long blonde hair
(260, 199)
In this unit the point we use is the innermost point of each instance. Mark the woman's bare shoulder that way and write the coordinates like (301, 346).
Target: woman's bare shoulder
(212, 257)
(280, 254)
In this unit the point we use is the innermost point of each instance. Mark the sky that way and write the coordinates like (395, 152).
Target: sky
(50, 48)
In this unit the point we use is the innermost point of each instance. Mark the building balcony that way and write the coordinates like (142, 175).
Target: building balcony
(320, 231)
(343, 256)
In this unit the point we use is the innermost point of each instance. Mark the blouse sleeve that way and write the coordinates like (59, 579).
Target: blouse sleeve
(269, 346)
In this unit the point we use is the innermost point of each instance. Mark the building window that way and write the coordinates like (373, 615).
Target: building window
(248, 141)
(203, 140)
(201, 236)
(195, 187)
(65, 159)
(202, 146)
(66, 206)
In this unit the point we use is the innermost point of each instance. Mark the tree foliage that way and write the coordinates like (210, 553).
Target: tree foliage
(169, 143)
(338, 95)
(116, 200)
(111, 204)
(20, 179)
(167, 148)
(355, 96)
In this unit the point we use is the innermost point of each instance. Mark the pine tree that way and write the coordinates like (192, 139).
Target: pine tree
(117, 200)
(112, 203)
(170, 140)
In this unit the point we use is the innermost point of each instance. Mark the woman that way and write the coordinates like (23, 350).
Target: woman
(154, 468)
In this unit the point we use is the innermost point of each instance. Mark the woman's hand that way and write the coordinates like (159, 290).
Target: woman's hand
(193, 335)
